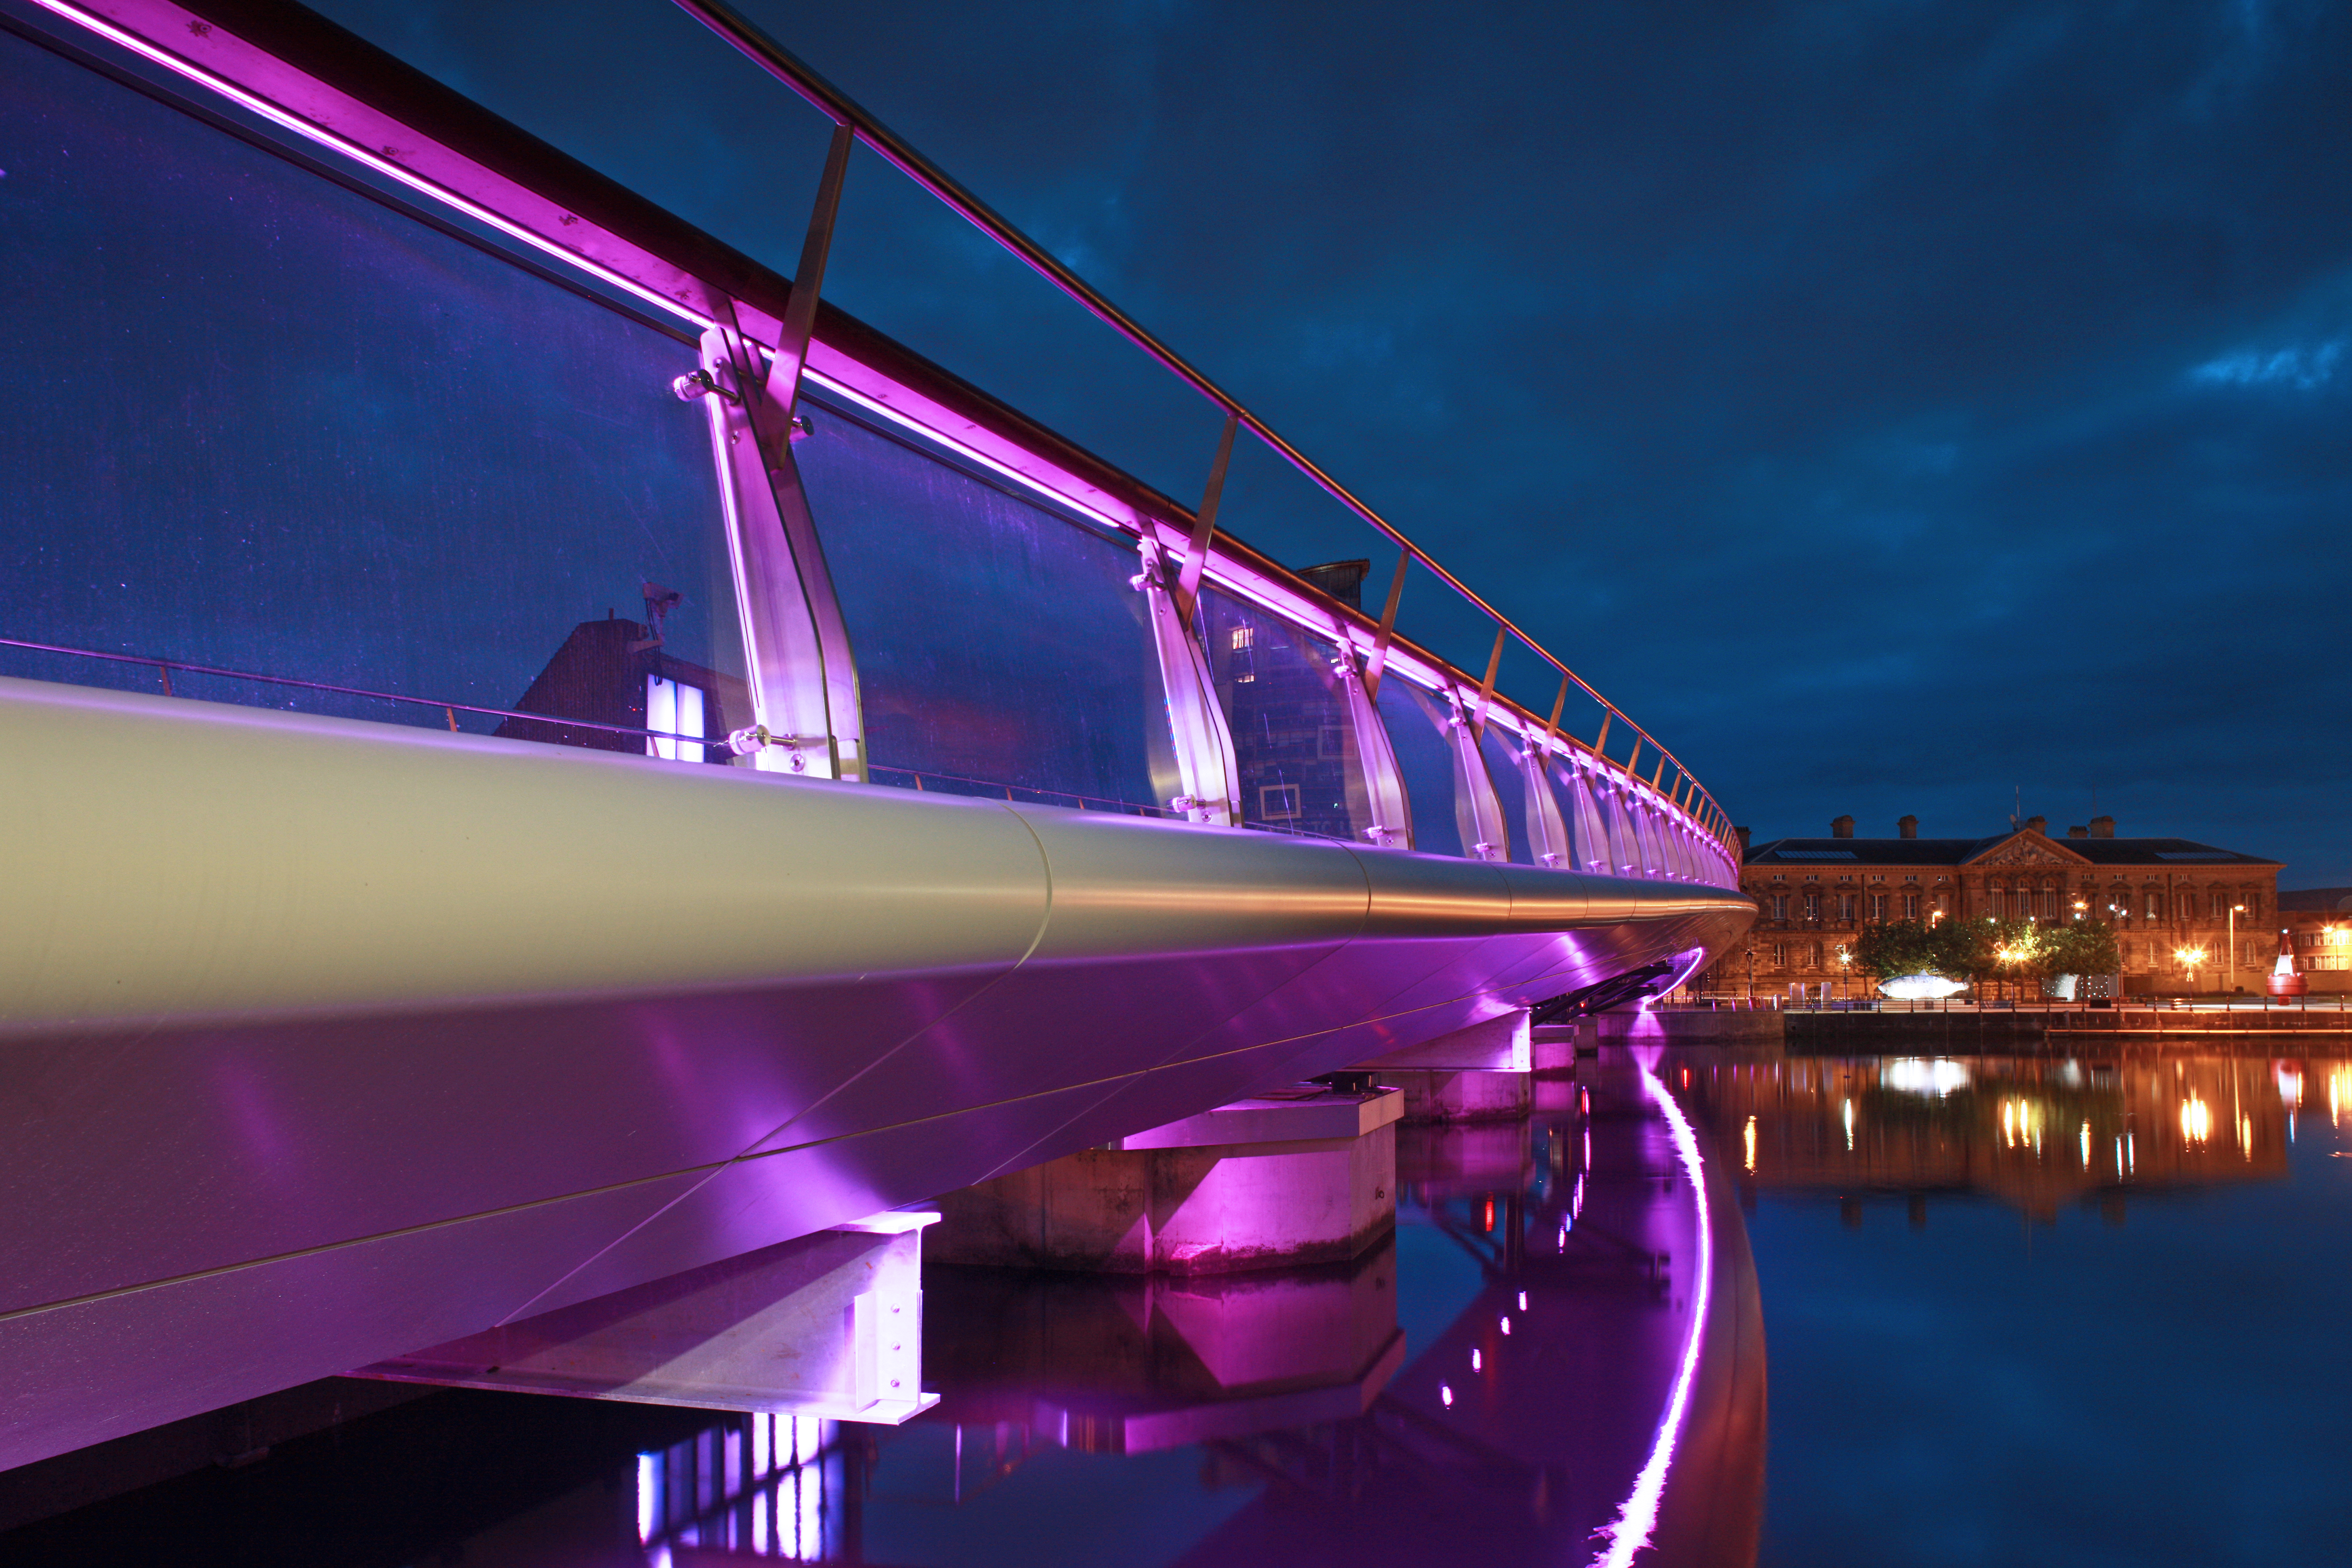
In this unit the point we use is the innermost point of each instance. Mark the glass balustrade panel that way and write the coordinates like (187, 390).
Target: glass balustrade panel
(1001, 647)
(264, 423)
(1500, 748)
(1415, 719)
(1588, 839)
(1293, 744)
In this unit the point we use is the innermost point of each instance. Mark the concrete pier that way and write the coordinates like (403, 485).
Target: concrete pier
(1297, 1176)
(1478, 1074)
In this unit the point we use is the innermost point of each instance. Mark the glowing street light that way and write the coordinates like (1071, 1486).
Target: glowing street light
(2189, 957)
(2230, 984)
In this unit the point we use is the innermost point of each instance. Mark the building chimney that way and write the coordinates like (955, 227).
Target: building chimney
(2037, 825)
(1842, 828)
(1743, 841)
(1908, 826)
(2078, 833)
(2103, 827)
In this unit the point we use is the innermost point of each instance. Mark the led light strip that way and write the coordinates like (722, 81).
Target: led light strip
(1638, 1515)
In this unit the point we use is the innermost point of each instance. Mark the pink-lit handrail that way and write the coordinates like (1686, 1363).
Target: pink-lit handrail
(837, 106)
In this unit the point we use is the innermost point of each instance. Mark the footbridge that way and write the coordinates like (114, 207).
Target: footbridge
(542, 755)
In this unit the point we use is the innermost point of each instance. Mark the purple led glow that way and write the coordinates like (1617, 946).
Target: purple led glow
(1638, 1515)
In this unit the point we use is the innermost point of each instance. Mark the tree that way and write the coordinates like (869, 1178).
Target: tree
(1966, 949)
(1896, 948)
(2082, 947)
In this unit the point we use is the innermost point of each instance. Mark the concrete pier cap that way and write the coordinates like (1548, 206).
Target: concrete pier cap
(1478, 1074)
(1298, 1175)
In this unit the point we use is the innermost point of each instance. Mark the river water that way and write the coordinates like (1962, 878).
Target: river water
(1697, 1308)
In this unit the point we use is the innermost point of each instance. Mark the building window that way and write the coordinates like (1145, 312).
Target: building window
(1812, 906)
(1780, 955)
(1910, 906)
(1245, 654)
(1277, 802)
(2049, 902)
(1878, 907)
(1779, 909)
(1816, 956)
(2155, 905)
(1845, 908)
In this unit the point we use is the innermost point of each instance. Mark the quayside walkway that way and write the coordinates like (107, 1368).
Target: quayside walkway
(546, 757)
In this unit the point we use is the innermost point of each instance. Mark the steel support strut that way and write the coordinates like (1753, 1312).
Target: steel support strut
(1477, 811)
(803, 680)
(1205, 764)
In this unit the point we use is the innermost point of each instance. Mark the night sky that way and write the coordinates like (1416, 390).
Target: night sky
(1893, 404)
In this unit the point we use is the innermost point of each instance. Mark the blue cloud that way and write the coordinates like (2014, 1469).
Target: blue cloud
(2306, 367)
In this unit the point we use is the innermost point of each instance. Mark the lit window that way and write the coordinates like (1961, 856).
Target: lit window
(672, 709)
(1243, 640)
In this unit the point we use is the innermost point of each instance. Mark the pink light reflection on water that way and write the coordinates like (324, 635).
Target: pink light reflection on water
(1638, 1515)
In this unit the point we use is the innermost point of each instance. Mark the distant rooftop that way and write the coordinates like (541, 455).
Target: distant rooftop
(2171, 853)
(2314, 900)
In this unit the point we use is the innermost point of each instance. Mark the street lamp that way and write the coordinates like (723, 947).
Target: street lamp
(2191, 957)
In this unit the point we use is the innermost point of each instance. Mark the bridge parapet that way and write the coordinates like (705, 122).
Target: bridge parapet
(449, 440)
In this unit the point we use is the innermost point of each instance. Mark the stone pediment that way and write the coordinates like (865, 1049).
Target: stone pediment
(2027, 848)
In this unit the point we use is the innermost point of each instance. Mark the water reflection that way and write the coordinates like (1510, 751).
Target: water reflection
(2142, 1371)
(2035, 1133)
(1550, 1350)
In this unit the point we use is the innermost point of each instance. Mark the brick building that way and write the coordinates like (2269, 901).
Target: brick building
(1814, 896)
(2319, 921)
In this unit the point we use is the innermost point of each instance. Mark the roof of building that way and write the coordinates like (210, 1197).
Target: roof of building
(2030, 849)
(2317, 900)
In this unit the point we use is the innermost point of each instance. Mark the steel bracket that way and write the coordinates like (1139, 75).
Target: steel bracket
(1477, 811)
(1391, 811)
(1205, 762)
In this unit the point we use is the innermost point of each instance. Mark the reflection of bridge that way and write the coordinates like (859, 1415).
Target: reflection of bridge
(414, 949)
(1511, 1436)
